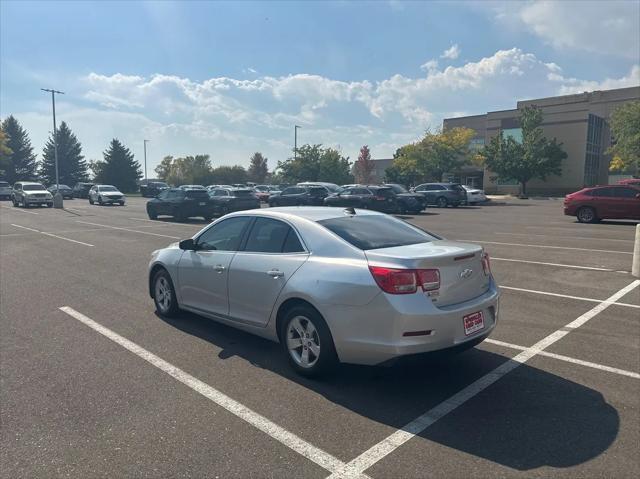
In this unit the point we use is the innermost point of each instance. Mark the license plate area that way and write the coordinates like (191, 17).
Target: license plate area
(202, 203)
(473, 322)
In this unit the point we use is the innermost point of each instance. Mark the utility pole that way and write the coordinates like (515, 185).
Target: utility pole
(57, 198)
(145, 160)
(295, 141)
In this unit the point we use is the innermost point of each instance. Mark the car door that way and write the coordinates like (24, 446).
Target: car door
(291, 196)
(604, 202)
(627, 203)
(92, 193)
(272, 254)
(203, 273)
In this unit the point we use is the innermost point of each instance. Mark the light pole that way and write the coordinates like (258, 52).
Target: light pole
(57, 198)
(145, 160)
(295, 141)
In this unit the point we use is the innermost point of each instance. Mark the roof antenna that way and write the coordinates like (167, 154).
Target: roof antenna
(350, 210)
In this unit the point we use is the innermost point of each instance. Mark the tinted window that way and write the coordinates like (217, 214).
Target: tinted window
(176, 194)
(360, 191)
(220, 193)
(293, 191)
(33, 187)
(456, 188)
(376, 231)
(164, 195)
(107, 188)
(197, 194)
(386, 192)
(604, 192)
(267, 236)
(421, 188)
(318, 191)
(223, 236)
(626, 192)
(243, 193)
(398, 189)
(292, 243)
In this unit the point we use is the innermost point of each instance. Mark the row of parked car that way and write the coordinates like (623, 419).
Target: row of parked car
(198, 201)
(31, 193)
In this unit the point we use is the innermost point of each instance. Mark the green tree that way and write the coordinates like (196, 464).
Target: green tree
(314, 163)
(404, 170)
(625, 128)
(164, 168)
(21, 163)
(534, 157)
(5, 153)
(229, 175)
(72, 167)
(258, 168)
(190, 170)
(364, 166)
(119, 168)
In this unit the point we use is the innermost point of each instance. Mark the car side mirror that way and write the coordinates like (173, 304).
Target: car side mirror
(187, 245)
(638, 196)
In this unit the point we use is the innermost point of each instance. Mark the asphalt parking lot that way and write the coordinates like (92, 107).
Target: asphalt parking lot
(94, 383)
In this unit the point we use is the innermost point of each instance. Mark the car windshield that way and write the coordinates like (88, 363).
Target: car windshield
(376, 231)
(32, 187)
(108, 188)
(197, 194)
(242, 193)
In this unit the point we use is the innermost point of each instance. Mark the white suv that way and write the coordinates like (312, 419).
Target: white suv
(28, 194)
(103, 194)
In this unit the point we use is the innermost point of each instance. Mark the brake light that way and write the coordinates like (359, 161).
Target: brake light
(405, 281)
(486, 264)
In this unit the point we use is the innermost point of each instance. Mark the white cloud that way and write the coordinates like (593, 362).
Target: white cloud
(609, 28)
(451, 53)
(231, 118)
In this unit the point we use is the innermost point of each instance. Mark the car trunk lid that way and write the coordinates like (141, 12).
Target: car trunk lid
(462, 275)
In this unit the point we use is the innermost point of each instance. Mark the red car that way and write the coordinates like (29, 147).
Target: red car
(589, 205)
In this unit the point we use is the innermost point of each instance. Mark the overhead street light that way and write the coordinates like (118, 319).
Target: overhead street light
(295, 141)
(57, 198)
(145, 160)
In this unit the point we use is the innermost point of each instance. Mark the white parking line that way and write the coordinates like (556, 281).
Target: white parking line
(565, 237)
(546, 293)
(568, 359)
(127, 229)
(544, 246)
(561, 265)
(19, 210)
(289, 439)
(374, 454)
(52, 235)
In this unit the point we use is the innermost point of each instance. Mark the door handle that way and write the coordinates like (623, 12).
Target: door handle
(219, 268)
(274, 273)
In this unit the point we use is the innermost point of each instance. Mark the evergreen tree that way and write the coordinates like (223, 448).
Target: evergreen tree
(258, 168)
(21, 163)
(72, 167)
(119, 168)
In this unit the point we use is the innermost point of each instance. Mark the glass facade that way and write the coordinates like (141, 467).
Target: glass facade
(594, 150)
(515, 133)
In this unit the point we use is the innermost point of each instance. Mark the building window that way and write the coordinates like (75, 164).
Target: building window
(476, 144)
(515, 133)
(593, 151)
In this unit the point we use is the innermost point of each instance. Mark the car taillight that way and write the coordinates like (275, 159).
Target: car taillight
(405, 281)
(486, 264)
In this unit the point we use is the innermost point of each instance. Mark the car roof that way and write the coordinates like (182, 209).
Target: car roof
(313, 213)
(29, 182)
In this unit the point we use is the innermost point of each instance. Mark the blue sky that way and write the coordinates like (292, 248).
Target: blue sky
(232, 78)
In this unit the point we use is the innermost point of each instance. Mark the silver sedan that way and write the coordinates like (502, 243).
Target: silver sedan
(330, 284)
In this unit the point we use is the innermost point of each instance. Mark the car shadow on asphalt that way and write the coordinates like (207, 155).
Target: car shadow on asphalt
(528, 419)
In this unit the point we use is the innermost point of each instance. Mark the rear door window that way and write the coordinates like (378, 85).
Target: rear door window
(376, 231)
(267, 236)
(626, 192)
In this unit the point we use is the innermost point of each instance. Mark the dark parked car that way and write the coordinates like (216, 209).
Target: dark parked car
(408, 202)
(181, 203)
(300, 196)
(442, 194)
(5, 190)
(377, 198)
(81, 190)
(590, 205)
(153, 188)
(226, 200)
(65, 191)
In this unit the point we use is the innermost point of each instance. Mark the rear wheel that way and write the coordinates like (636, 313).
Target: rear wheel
(179, 215)
(15, 203)
(164, 295)
(441, 202)
(100, 200)
(586, 214)
(307, 342)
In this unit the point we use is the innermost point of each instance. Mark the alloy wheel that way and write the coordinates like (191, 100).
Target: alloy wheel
(303, 342)
(163, 294)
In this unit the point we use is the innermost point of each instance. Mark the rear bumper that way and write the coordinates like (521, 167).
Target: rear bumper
(375, 333)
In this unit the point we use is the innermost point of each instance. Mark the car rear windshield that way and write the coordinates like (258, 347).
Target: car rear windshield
(398, 189)
(3, 184)
(456, 188)
(32, 187)
(242, 193)
(376, 231)
(197, 194)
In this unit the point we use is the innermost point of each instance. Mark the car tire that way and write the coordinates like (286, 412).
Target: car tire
(152, 214)
(49, 205)
(586, 214)
(24, 203)
(100, 202)
(121, 203)
(179, 215)
(304, 323)
(442, 202)
(164, 294)
(15, 203)
(90, 201)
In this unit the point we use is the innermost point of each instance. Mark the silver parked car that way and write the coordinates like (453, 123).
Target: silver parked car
(330, 284)
(106, 194)
(29, 193)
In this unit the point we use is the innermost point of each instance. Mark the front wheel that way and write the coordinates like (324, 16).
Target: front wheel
(307, 342)
(15, 203)
(90, 201)
(121, 203)
(442, 202)
(164, 295)
(152, 214)
(100, 202)
(586, 214)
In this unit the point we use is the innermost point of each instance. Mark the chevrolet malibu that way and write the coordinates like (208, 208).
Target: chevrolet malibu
(330, 285)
